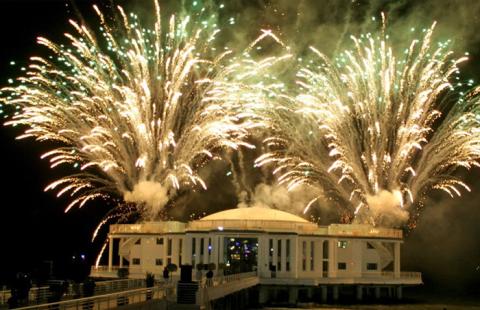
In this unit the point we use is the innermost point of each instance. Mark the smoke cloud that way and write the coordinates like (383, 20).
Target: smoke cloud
(385, 208)
(150, 194)
(277, 197)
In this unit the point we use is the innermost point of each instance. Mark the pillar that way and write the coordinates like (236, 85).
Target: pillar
(310, 293)
(110, 253)
(335, 293)
(262, 295)
(396, 260)
(324, 293)
(294, 257)
(399, 292)
(292, 295)
(359, 292)
(378, 292)
(332, 258)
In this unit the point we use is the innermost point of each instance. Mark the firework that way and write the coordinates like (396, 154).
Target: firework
(137, 111)
(375, 129)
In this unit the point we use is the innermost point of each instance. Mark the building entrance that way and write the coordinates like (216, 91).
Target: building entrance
(240, 254)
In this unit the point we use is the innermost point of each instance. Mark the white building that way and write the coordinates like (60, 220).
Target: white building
(283, 248)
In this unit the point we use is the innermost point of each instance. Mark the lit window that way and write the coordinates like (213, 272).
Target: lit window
(342, 266)
(372, 266)
(159, 240)
(342, 244)
(159, 262)
(136, 261)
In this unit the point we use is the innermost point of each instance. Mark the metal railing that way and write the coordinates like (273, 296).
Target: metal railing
(219, 280)
(107, 301)
(39, 295)
(36, 294)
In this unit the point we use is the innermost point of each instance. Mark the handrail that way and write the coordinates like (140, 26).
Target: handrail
(107, 301)
(219, 280)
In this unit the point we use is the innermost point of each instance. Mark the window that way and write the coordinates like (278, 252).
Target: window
(270, 246)
(159, 262)
(169, 247)
(342, 266)
(371, 266)
(287, 264)
(136, 261)
(169, 261)
(139, 241)
(342, 244)
(325, 249)
(180, 246)
(304, 255)
(202, 244)
(209, 246)
(370, 246)
(193, 252)
(325, 268)
(159, 240)
(279, 255)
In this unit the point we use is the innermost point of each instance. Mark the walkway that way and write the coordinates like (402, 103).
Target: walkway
(222, 286)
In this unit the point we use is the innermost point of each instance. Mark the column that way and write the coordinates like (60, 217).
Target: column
(396, 260)
(399, 292)
(332, 258)
(324, 293)
(262, 256)
(262, 295)
(292, 295)
(359, 292)
(294, 257)
(187, 250)
(110, 253)
(378, 292)
(335, 293)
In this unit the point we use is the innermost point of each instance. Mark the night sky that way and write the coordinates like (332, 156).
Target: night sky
(445, 246)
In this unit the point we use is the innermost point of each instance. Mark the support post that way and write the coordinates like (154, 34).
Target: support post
(359, 292)
(262, 295)
(324, 293)
(110, 253)
(378, 292)
(399, 292)
(335, 293)
(293, 295)
(396, 260)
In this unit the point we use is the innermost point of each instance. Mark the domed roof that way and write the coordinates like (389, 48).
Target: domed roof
(254, 214)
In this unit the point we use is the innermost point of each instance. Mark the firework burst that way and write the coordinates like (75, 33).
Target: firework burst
(137, 112)
(375, 129)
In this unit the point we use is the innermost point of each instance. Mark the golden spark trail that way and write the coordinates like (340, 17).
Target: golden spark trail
(135, 111)
(375, 129)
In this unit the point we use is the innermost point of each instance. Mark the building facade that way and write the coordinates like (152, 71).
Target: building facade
(282, 248)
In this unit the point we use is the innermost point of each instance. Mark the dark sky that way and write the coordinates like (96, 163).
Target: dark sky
(445, 246)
